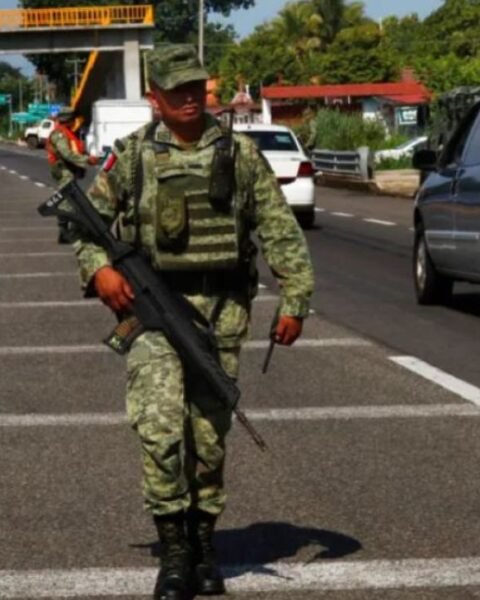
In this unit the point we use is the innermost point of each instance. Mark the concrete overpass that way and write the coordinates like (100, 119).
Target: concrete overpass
(122, 31)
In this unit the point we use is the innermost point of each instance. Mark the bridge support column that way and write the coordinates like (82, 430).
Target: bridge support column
(131, 66)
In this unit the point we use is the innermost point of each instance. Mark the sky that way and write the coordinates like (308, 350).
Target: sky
(265, 10)
(245, 21)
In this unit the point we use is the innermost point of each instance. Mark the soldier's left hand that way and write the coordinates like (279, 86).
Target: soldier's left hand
(288, 330)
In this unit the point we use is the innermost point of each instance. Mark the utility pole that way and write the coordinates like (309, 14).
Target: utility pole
(201, 30)
(20, 95)
(76, 72)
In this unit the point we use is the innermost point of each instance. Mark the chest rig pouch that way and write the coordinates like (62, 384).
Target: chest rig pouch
(192, 230)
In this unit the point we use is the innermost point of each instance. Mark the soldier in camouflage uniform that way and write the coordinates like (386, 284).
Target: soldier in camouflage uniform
(67, 158)
(156, 182)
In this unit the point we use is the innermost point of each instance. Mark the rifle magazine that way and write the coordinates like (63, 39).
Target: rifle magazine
(125, 333)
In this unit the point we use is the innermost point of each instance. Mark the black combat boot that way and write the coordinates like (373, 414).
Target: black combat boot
(207, 576)
(174, 578)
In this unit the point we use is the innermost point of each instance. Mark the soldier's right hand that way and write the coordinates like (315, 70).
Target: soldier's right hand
(93, 160)
(113, 289)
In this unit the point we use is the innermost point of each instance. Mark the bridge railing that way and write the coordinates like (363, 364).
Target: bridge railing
(84, 16)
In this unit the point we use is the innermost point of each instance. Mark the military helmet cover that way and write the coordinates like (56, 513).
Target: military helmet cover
(65, 114)
(174, 65)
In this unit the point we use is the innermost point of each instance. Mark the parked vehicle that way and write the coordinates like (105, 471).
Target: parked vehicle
(291, 165)
(114, 119)
(447, 214)
(406, 149)
(37, 135)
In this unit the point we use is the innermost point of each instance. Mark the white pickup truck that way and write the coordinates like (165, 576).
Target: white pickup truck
(37, 135)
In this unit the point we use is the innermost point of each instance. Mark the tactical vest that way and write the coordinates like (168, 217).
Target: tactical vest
(76, 145)
(177, 222)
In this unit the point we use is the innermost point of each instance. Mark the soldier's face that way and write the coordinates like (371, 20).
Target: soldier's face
(183, 105)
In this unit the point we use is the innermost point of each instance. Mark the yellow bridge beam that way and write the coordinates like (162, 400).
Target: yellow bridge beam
(80, 16)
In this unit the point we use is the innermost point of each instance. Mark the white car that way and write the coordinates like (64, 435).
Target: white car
(37, 135)
(290, 164)
(408, 148)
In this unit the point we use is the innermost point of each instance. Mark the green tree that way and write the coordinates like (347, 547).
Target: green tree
(331, 13)
(359, 54)
(454, 27)
(260, 59)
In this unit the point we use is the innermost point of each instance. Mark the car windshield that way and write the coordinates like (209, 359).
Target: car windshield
(273, 140)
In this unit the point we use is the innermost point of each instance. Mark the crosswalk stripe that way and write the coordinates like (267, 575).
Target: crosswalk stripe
(322, 413)
(253, 345)
(273, 577)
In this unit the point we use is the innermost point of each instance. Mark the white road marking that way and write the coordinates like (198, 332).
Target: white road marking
(33, 254)
(380, 222)
(12, 171)
(24, 177)
(449, 382)
(27, 240)
(273, 577)
(37, 275)
(51, 304)
(54, 229)
(2, 168)
(40, 184)
(312, 343)
(253, 345)
(80, 303)
(317, 209)
(324, 413)
(78, 349)
(342, 214)
(266, 298)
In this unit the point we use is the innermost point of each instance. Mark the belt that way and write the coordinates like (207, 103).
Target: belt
(208, 283)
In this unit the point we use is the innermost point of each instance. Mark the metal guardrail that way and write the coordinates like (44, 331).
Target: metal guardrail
(355, 164)
(86, 16)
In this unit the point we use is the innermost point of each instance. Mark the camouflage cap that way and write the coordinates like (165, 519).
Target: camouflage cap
(65, 114)
(174, 65)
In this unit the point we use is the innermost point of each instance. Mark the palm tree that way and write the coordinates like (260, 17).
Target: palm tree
(331, 13)
(299, 28)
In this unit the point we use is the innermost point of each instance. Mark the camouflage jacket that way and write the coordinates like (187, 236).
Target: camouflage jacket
(70, 163)
(261, 208)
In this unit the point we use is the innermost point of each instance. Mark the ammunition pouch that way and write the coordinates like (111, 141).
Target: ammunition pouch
(222, 179)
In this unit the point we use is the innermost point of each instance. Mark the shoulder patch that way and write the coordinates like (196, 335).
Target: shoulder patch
(109, 162)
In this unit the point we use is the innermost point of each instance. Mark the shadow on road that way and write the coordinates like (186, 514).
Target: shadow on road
(263, 543)
(467, 303)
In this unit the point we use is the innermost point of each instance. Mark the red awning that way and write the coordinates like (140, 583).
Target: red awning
(403, 92)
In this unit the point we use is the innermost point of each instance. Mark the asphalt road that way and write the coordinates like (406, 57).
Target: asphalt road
(369, 489)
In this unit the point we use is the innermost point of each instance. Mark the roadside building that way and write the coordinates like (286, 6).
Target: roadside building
(401, 105)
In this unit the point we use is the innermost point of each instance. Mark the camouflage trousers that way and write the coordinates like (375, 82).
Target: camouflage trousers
(183, 448)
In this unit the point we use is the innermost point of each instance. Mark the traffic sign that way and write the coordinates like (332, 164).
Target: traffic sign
(5, 99)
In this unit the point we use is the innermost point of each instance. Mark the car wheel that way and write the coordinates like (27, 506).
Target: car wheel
(430, 286)
(306, 220)
(32, 142)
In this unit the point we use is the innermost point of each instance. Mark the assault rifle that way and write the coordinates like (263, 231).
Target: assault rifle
(156, 307)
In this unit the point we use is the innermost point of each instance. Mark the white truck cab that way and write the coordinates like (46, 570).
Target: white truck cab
(115, 119)
(37, 135)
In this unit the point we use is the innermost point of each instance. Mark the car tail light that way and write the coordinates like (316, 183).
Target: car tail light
(305, 169)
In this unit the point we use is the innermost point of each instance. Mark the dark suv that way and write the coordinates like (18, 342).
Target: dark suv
(447, 214)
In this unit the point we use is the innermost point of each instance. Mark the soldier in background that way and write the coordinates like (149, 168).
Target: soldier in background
(67, 158)
(158, 185)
